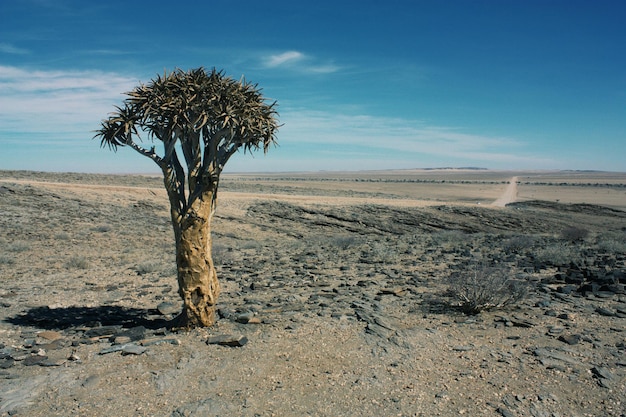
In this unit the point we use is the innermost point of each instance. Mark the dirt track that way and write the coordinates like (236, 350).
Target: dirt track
(509, 195)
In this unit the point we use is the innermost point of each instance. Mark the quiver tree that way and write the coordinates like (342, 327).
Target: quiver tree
(201, 120)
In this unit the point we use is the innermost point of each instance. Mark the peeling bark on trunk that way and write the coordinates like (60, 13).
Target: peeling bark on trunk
(197, 279)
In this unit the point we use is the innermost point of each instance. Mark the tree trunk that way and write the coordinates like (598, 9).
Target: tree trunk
(197, 279)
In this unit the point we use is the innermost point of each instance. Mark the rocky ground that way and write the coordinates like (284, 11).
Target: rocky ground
(326, 309)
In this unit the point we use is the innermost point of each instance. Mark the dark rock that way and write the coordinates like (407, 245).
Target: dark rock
(398, 292)
(602, 372)
(574, 278)
(114, 348)
(543, 353)
(376, 324)
(607, 295)
(34, 360)
(521, 322)
(56, 344)
(604, 377)
(6, 363)
(570, 339)
(244, 318)
(50, 363)
(227, 340)
(134, 333)
(226, 313)
(103, 331)
(462, 348)
(554, 330)
(588, 288)
(504, 412)
(605, 312)
(566, 289)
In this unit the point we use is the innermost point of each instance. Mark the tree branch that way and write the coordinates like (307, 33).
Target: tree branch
(145, 152)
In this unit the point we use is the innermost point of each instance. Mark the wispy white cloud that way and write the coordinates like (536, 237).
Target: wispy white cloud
(405, 140)
(298, 61)
(8, 48)
(57, 101)
(285, 58)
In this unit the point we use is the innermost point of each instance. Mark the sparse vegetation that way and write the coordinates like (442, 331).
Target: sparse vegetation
(6, 260)
(557, 254)
(147, 267)
(18, 247)
(103, 228)
(485, 288)
(614, 242)
(77, 262)
(574, 234)
(343, 241)
(517, 244)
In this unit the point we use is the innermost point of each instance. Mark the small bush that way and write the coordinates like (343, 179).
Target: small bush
(77, 262)
(612, 243)
(519, 243)
(222, 253)
(612, 246)
(486, 288)
(557, 255)
(18, 247)
(5, 260)
(344, 242)
(574, 234)
(452, 237)
(103, 228)
(382, 252)
(62, 236)
(147, 267)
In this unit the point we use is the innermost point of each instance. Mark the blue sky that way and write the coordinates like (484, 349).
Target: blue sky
(360, 85)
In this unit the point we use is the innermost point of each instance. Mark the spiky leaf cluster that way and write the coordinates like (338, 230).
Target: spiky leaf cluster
(209, 114)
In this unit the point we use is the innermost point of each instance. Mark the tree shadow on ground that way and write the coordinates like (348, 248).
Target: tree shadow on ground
(81, 317)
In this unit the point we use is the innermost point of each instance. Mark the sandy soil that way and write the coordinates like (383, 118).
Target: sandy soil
(335, 302)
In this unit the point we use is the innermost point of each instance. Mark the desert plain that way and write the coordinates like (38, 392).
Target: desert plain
(336, 296)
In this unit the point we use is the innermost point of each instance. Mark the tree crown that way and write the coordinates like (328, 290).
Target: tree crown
(209, 114)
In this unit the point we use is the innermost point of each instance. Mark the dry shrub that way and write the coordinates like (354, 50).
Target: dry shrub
(612, 242)
(574, 234)
(557, 255)
(147, 267)
(77, 262)
(18, 247)
(486, 288)
(343, 241)
(6, 260)
(518, 243)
